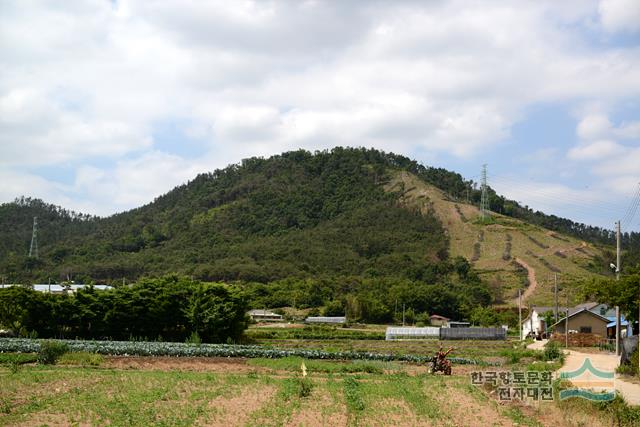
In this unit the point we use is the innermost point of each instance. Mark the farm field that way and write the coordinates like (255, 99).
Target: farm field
(488, 351)
(230, 392)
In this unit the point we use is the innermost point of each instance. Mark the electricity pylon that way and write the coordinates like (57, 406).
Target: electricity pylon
(33, 249)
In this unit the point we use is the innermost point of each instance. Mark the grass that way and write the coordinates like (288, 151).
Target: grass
(17, 358)
(76, 394)
(81, 358)
(294, 364)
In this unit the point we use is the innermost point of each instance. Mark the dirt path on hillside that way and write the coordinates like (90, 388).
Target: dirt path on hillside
(531, 276)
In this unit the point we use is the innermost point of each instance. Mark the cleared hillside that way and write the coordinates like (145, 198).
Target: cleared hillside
(494, 247)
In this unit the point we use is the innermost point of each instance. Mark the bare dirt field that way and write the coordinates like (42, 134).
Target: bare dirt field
(230, 392)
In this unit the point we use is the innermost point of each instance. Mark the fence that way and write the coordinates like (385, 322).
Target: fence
(580, 339)
(473, 334)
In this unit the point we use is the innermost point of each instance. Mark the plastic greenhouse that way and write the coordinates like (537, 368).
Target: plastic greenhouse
(410, 333)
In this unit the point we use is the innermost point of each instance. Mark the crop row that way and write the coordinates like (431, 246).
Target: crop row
(147, 348)
(271, 334)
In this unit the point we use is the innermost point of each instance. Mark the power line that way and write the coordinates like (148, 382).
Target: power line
(633, 208)
(570, 200)
(552, 195)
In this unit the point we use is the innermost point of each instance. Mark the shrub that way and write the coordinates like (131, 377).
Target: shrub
(552, 351)
(305, 385)
(50, 352)
(296, 387)
(631, 366)
(194, 338)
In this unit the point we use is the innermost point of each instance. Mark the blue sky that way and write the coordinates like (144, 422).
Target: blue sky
(110, 104)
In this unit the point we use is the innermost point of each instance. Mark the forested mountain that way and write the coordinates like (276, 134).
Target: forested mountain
(296, 215)
(293, 215)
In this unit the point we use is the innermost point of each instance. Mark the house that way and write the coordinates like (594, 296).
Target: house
(535, 320)
(583, 321)
(264, 316)
(437, 320)
(626, 329)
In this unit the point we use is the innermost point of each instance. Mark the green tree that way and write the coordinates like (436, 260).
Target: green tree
(624, 293)
(217, 312)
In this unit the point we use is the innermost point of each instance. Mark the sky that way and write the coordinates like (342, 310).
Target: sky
(105, 105)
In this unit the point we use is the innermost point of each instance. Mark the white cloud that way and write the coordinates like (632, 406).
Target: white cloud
(594, 126)
(134, 182)
(615, 165)
(597, 150)
(256, 78)
(620, 15)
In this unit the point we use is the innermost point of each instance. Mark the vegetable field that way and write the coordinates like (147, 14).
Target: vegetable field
(151, 348)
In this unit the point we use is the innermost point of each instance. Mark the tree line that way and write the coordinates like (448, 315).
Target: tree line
(168, 309)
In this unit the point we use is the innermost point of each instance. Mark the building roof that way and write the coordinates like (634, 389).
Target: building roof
(541, 309)
(438, 317)
(583, 310)
(613, 323)
(56, 287)
(261, 312)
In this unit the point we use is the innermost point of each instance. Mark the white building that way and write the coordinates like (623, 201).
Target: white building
(264, 316)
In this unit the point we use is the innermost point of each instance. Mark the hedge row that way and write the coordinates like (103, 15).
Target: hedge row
(146, 348)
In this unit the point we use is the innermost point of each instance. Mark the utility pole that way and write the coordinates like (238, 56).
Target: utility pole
(402, 314)
(566, 324)
(520, 312)
(618, 250)
(33, 249)
(618, 278)
(555, 278)
(483, 198)
(617, 330)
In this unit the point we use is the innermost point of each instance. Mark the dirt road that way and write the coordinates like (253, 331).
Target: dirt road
(605, 362)
(531, 276)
